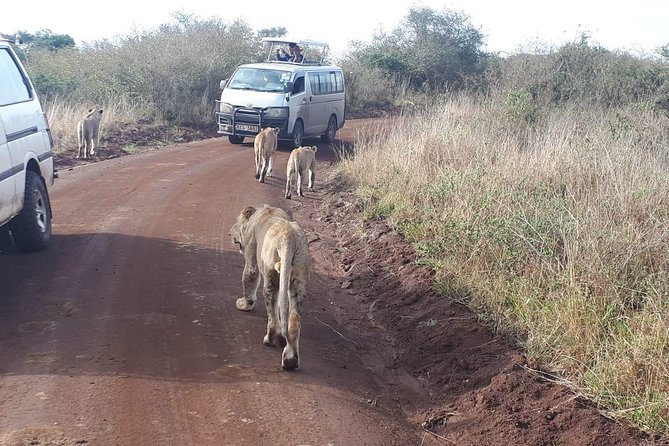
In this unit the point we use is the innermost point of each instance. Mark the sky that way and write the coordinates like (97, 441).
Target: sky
(510, 26)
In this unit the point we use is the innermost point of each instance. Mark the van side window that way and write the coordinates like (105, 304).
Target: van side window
(298, 85)
(326, 82)
(337, 80)
(313, 80)
(14, 88)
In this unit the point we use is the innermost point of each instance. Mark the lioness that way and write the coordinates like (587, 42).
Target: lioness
(265, 147)
(301, 161)
(276, 249)
(88, 132)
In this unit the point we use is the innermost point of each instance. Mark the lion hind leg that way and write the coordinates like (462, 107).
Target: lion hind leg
(291, 352)
(95, 140)
(258, 160)
(299, 184)
(270, 295)
(290, 305)
(289, 186)
(263, 169)
(270, 168)
(312, 178)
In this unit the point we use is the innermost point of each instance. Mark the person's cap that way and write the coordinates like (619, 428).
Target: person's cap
(292, 45)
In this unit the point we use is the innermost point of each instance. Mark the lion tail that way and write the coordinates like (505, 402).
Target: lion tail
(80, 132)
(285, 273)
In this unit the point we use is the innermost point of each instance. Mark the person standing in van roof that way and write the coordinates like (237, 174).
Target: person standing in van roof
(283, 56)
(297, 56)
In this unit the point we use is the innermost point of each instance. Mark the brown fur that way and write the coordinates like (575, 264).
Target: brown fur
(88, 133)
(275, 249)
(264, 146)
(302, 161)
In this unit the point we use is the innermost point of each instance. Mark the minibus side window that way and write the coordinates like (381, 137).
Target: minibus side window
(313, 80)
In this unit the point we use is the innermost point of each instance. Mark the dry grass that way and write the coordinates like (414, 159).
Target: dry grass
(63, 116)
(552, 224)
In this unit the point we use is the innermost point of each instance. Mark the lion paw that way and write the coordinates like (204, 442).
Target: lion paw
(268, 340)
(244, 305)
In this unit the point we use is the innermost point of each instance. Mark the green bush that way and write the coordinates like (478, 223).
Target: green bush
(176, 67)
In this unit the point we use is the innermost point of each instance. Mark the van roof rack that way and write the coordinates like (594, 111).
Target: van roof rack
(315, 52)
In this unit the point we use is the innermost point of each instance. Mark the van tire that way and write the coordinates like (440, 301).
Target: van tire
(331, 132)
(31, 228)
(235, 139)
(298, 134)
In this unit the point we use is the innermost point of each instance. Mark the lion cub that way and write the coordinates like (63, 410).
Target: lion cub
(88, 133)
(277, 250)
(301, 161)
(265, 148)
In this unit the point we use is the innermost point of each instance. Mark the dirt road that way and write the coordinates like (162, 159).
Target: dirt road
(125, 331)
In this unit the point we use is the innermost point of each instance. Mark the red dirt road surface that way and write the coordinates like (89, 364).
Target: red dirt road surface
(125, 332)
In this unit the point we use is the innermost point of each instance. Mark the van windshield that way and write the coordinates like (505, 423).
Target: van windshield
(259, 79)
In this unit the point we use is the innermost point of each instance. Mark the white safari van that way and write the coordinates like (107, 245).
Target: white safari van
(304, 99)
(26, 162)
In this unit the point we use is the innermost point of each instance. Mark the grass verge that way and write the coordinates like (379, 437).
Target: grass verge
(552, 224)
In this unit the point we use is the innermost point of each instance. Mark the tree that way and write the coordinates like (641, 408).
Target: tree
(44, 38)
(272, 32)
(664, 51)
(430, 49)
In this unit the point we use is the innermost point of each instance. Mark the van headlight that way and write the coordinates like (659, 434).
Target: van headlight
(225, 108)
(276, 112)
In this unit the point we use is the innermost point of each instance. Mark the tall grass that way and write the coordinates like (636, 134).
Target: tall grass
(175, 69)
(64, 115)
(553, 224)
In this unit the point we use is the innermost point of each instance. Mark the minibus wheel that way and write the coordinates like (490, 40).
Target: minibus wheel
(331, 132)
(298, 134)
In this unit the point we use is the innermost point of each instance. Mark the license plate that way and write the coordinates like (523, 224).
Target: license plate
(246, 128)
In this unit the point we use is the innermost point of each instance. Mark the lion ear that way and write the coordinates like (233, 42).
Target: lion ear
(90, 110)
(100, 111)
(248, 211)
(314, 148)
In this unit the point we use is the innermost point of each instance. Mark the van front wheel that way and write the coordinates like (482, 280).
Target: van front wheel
(331, 132)
(235, 139)
(298, 134)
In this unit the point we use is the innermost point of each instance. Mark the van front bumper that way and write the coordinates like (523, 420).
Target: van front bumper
(249, 122)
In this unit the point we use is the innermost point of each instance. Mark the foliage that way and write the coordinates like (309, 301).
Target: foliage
(176, 68)
(430, 50)
(579, 72)
(276, 31)
(559, 238)
(42, 39)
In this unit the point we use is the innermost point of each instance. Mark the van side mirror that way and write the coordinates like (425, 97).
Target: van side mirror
(288, 88)
(223, 83)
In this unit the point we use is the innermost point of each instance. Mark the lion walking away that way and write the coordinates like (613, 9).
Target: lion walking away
(264, 146)
(88, 133)
(301, 162)
(276, 250)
